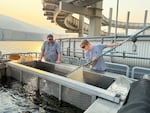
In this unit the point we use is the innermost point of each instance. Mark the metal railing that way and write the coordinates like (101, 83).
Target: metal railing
(118, 68)
(6, 57)
(139, 72)
(123, 54)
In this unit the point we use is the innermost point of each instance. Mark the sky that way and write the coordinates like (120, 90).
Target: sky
(136, 7)
(30, 11)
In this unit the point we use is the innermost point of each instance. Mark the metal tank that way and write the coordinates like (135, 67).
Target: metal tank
(75, 85)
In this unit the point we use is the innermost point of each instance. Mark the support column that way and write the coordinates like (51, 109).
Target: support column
(81, 25)
(127, 24)
(96, 21)
(145, 20)
(110, 21)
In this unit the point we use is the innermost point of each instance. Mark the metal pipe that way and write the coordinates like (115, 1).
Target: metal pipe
(38, 85)
(136, 67)
(110, 21)
(127, 25)
(74, 46)
(145, 19)
(129, 57)
(21, 77)
(121, 65)
(60, 93)
(116, 21)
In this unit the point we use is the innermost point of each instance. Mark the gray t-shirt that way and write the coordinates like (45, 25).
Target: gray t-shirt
(51, 51)
(99, 65)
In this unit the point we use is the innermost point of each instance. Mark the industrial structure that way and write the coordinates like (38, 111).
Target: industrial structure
(60, 12)
(123, 88)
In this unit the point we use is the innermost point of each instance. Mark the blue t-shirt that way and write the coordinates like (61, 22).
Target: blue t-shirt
(51, 51)
(99, 65)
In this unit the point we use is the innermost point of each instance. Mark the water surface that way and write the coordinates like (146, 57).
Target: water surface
(20, 98)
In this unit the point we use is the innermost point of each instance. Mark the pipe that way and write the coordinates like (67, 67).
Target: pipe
(121, 65)
(136, 67)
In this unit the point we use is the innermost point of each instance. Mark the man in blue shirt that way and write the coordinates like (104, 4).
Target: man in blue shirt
(92, 53)
(50, 50)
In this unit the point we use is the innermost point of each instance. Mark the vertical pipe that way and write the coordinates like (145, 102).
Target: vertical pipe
(83, 56)
(74, 46)
(81, 25)
(110, 21)
(145, 20)
(116, 21)
(38, 85)
(60, 89)
(127, 24)
(69, 46)
(0, 54)
(62, 47)
(102, 40)
(21, 77)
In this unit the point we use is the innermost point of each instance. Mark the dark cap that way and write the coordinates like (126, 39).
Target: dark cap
(50, 36)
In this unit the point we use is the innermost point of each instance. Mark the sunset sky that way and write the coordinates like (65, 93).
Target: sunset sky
(30, 11)
(136, 7)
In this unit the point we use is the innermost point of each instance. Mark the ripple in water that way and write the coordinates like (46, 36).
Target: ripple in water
(17, 98)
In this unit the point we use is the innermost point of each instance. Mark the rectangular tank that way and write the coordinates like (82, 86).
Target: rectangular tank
(49, 67)
(88, 76)
(76, 85)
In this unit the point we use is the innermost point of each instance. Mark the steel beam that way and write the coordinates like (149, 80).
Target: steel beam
(80, 10)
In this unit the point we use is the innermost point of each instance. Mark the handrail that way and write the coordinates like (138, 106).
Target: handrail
(136, 67)
(5, 57)
(121, 65)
